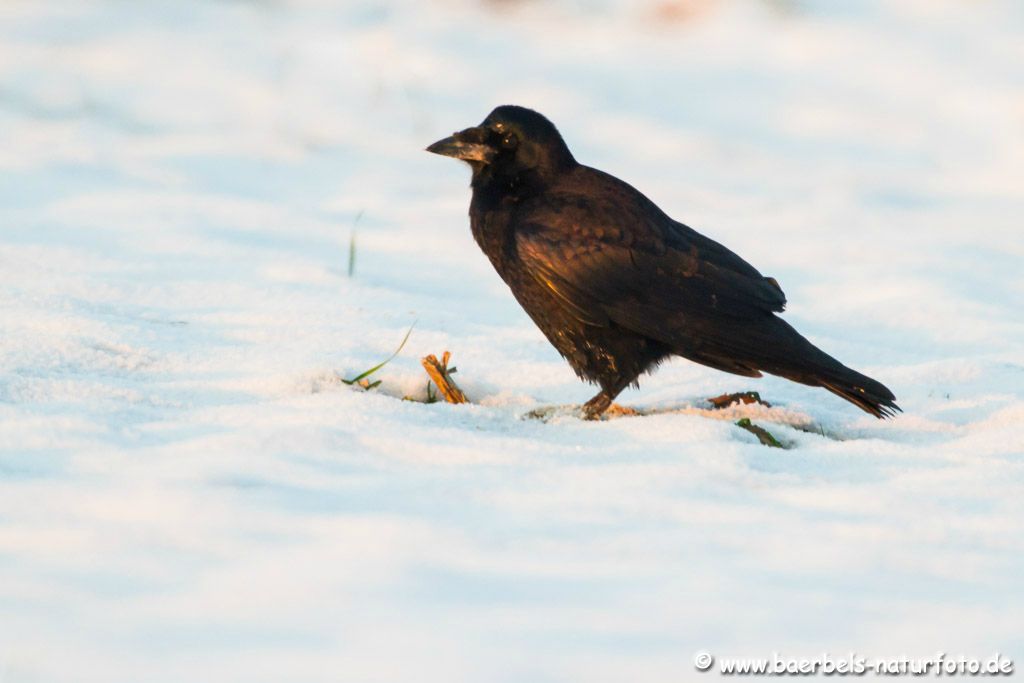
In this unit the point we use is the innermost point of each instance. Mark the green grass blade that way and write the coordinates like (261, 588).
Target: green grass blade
(352, 245)
(352, 254)
(378, 366)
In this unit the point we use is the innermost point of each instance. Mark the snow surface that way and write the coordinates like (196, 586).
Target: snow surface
(187, 493)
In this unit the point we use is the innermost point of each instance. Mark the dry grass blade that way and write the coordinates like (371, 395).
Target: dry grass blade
(440, 373)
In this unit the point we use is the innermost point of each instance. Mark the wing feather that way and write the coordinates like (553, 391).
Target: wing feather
(613, 261)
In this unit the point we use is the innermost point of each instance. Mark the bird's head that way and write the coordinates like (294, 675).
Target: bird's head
(513, 145)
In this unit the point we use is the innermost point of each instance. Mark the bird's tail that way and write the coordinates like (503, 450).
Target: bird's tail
(865, 393)
(784, 352)
(810, 365)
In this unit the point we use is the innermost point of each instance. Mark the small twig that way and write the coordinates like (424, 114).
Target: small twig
(746, 397)
(441, 374)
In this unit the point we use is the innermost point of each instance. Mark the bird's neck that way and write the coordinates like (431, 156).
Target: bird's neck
(491, 217)
(498, 193)
(504, 187)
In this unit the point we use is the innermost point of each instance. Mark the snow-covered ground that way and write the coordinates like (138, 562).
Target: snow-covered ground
(187, 493)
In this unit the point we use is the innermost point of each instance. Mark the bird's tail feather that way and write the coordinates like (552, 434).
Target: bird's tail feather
(810, 365)
(787, 354)
(865, 393)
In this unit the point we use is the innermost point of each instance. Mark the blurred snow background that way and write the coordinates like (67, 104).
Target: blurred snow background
(188, 494)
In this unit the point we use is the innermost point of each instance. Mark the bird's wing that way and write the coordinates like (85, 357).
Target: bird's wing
(615, 259)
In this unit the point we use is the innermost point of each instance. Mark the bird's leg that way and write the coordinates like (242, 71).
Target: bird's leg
(595, 407)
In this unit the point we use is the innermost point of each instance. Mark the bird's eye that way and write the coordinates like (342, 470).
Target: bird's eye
(509, 141)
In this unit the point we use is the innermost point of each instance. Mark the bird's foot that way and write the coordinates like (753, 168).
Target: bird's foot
(617, 410)
(595, 407)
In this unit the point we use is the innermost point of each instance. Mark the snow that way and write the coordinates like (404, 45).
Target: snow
(188, 493)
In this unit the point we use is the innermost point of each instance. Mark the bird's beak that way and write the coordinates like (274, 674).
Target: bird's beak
(467, 145)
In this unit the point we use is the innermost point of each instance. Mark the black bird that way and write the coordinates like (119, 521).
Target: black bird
(614, 283)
